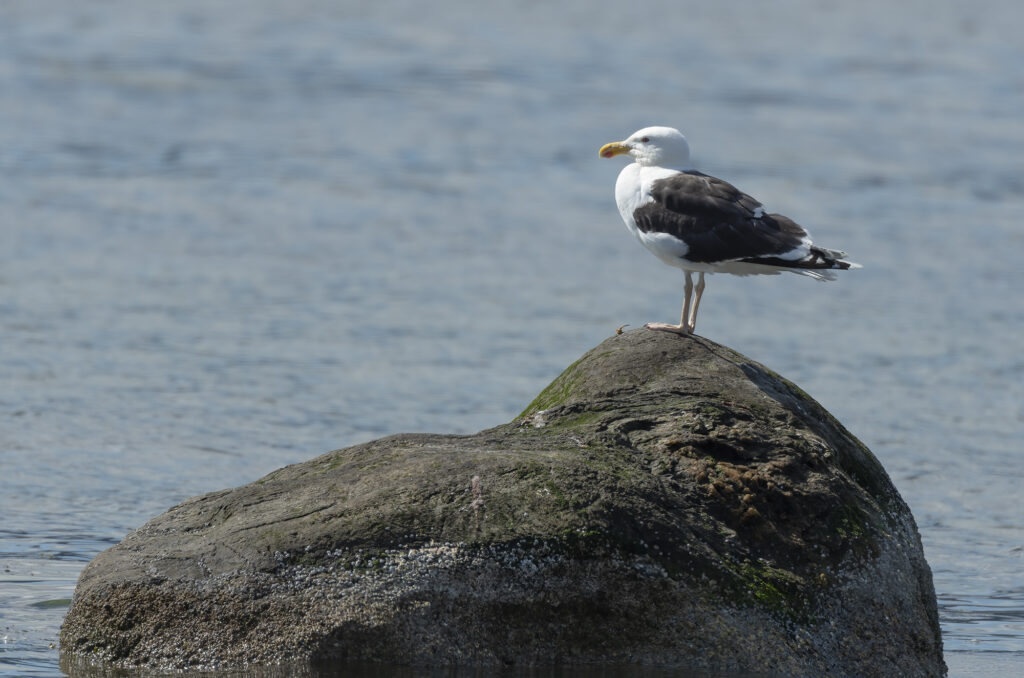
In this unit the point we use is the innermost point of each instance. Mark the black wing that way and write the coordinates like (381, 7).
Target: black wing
(717, 221)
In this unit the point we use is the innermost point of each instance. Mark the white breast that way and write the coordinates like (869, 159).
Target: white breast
(628, 194)
(632, 191)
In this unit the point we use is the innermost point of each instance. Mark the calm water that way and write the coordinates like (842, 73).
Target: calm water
(236, 235)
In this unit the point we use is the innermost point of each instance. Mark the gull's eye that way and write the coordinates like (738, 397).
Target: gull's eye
(645, 139)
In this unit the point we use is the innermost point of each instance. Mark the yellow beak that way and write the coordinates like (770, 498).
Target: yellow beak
(613, 149)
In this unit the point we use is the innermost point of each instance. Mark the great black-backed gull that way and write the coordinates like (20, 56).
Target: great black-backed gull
(705, 225)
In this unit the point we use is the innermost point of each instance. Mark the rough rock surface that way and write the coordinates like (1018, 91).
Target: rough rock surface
(665, 500)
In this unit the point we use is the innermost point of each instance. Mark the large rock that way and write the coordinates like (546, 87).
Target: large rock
(665, 500)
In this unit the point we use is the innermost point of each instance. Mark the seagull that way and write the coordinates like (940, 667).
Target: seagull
(702, 224)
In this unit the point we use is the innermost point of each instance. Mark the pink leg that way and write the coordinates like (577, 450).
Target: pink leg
(696, 303)
(684, 325)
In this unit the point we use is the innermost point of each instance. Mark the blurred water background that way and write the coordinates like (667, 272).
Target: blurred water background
(236, 235)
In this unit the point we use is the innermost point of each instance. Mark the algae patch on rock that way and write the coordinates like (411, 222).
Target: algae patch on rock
(665, 500)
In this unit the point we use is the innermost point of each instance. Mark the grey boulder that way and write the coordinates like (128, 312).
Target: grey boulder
(664, 501)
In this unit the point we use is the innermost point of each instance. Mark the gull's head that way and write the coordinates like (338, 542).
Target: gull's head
(653, 147)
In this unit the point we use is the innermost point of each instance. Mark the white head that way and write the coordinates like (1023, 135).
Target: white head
(653, 147)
